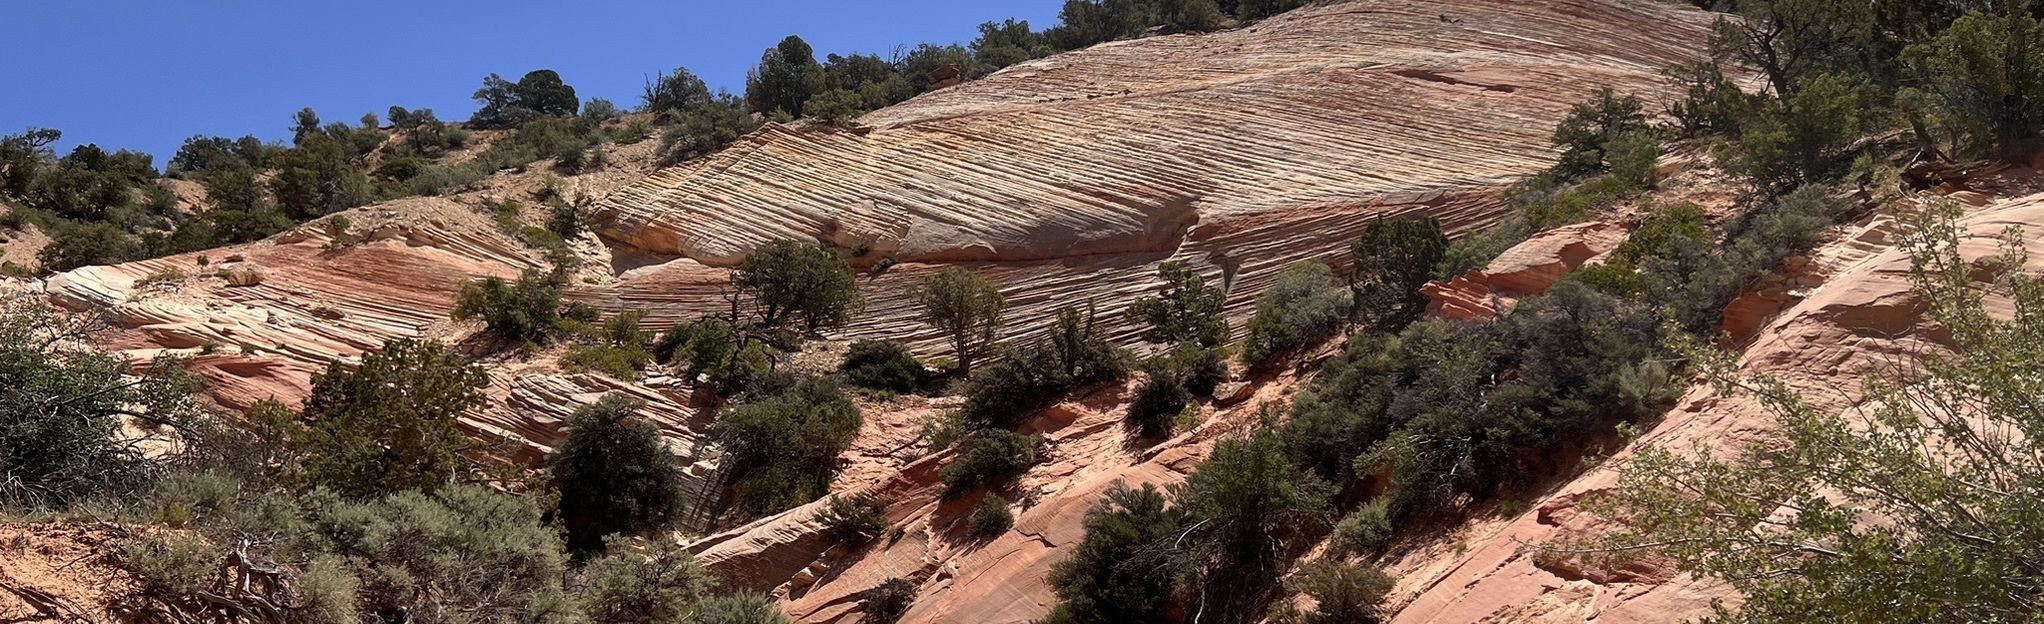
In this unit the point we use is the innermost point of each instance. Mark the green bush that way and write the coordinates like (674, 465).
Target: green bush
(1364, 531)
(887, 602)
(883, 367)
(78, 244)
(781, 451)
(990, 518)
(1158, 401)
(1389, 263)
(785, 282)
(853, 519)
(614, 475)
(1123, 570)
(786, 77)
(62, 408)
(182, 499)
(620, 349)
(988, 458)
(1304, 307)
(1710, 104)
(1005, 43)
(966, 308)
(1983, 71)
(679, 90)
(1809, 137)
(834, 106)
(365, 440)
(539, 93)
(740, 608)
(172, 563)
(1343, 593)
(1074, 355)
(1186, 310)
(662, 585)
(527, 311)
(1246, 509)
(705, 129)
(463, 549)
(1585, 134)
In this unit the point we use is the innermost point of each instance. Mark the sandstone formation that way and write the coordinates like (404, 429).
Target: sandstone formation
(1526, 269)
(1069, 178)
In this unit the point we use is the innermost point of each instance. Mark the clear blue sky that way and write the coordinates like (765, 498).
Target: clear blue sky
(145, 74)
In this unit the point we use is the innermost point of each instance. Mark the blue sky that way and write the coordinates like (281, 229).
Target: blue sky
(146, 74)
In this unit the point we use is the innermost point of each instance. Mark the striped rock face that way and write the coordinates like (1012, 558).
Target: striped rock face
(1069, 178)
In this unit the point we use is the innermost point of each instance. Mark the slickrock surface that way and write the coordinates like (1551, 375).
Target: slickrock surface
(1528, 268)
(1854, 312)
(1070, 177)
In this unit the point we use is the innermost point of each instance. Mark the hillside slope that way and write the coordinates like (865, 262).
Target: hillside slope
(1065, 179)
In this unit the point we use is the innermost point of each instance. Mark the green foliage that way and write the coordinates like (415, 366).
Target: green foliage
(1087, 22)
(62, 407)
(75, 244)
(1711, 103)
(1008, 42)
(539, 93)
(1659, 229)
(614, 475)
(990, 518)
(1343, 593)
(883, 366)
(1122, 571)
(661, 585)
(887, 602)
(565, 220)
(966, 308)
(781, 451)
(1697, 281)
(1246, 509)
(620, 349)
(1986, 72)
(786, 77)
(171, 563)
(1901, 507)
(854, 520)
(676, 91)
(1185, 311)
(1074, 355)
(834, 106)
(1585, 134)
(1305, 306)
(463, 549)
(785, 282)
(988, 458)
(527, 311)
(1363, 531)
(1808, 137)
(318, 177)
(1392, 260)
(740, 608)
(389, 424)
(1159, 400)
(707, 128)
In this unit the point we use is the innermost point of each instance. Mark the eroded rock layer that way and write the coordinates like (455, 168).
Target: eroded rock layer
(1068, 178)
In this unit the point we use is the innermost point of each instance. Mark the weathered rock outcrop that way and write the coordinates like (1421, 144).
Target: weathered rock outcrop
(1069, 178)
(1526, 269)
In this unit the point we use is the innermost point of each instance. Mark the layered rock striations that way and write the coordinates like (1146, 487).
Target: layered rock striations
(1069, 178)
